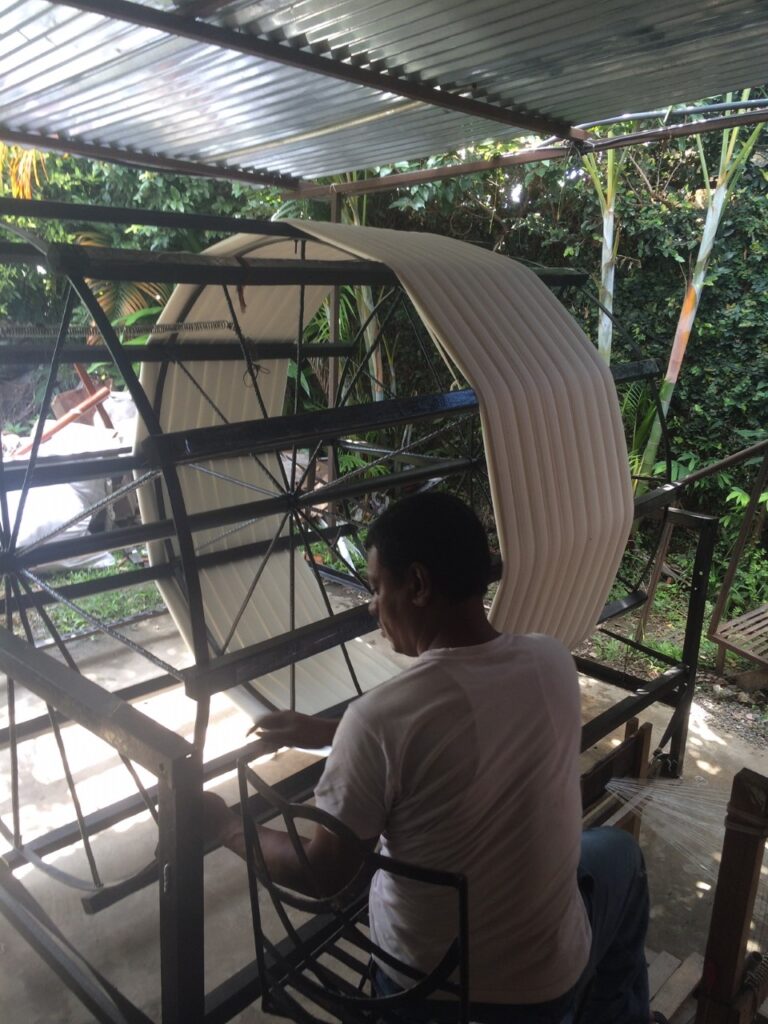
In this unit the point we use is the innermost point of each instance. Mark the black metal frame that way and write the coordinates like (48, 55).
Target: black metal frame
(176, 764)
(310, 971)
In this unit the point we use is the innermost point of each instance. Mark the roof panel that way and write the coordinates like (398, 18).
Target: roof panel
(94, 79)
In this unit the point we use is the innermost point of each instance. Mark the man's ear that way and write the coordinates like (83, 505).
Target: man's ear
(420, 582)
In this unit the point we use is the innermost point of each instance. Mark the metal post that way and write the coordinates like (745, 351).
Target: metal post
(180, 856)
(707, 526)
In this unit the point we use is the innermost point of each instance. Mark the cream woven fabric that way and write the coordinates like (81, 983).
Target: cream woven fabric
(553, 437)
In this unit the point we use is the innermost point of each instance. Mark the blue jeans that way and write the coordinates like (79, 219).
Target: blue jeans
(613, 988)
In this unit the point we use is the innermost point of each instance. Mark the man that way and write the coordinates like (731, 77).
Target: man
(468, 762)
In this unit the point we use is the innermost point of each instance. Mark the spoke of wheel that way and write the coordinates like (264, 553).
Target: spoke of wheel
(254, 583)
(299, 360)
(104, 627)
(12, 734)
(226, 533)
(333, 546)
(253, 374)
(327, 602)
(408, 447)
(196, 383)
(224, 419)
(45, 404)
(92, 509)
(228, 478)
(360, 333)
(310, 464)
(5, 533)
(56, 729)
(70, 661)
(342, 397)
(292, 605)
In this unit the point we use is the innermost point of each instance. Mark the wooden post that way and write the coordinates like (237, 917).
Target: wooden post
(746, 829)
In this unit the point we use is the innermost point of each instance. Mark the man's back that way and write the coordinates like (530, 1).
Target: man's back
(468, 761)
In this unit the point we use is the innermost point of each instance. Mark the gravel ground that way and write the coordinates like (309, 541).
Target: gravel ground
(742, 713)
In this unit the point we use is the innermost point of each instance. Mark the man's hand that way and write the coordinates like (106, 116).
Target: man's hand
(292, 729)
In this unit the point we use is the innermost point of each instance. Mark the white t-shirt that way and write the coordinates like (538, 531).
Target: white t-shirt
(468, 762)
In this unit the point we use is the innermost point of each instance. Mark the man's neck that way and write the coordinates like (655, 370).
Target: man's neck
(458, 625)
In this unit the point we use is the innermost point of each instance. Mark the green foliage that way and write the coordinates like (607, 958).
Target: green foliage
(111, 606)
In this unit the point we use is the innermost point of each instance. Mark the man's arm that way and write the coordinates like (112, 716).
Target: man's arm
(333, 860)
(292, 729)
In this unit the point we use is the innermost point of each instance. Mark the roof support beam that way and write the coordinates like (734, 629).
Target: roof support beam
(390, 182)
(280, 53)
(149, 161)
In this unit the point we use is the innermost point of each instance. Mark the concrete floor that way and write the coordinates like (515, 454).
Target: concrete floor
(122, 941)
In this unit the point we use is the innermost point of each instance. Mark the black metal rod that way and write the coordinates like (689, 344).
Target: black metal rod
(143, 159)
(187, 352)
(180, 855)
(694, 626)
(122, 726)
(107, 264)
(162, 571)
(616, 716)
(82, 212)
(277, 652)
(280, 432)
(32, 727)
(64, 470)
(164, 529)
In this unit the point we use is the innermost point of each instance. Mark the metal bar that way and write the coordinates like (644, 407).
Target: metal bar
(180, 856)
(277, 652)
(280, 432)
(183, 352)
(108, 264)
(164, 529)
(306, 60)
(537, 154)
(137, 577)
(122, 726)
(642, 369)
(152, 161)
(43, 209)
(694, 626)
(62, 469)
(32, 727)
(664, 495)
(621, 712)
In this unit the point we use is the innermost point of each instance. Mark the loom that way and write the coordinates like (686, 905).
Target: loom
(233, 508)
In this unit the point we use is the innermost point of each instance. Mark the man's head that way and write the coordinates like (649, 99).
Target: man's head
(428, 558)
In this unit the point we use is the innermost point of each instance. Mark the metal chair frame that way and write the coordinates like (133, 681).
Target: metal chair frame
(293, 973)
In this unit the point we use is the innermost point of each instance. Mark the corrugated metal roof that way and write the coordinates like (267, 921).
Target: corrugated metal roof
(113, 83)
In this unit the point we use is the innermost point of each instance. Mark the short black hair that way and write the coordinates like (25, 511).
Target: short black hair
(443, 534)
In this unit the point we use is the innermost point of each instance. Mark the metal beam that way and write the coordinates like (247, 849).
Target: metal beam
(122, 726)
(278, 432)
(150, 161)
(277, 652)
(11, 354)
(45, 209)
(304, 59)
(106, 264)
(390, 182)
